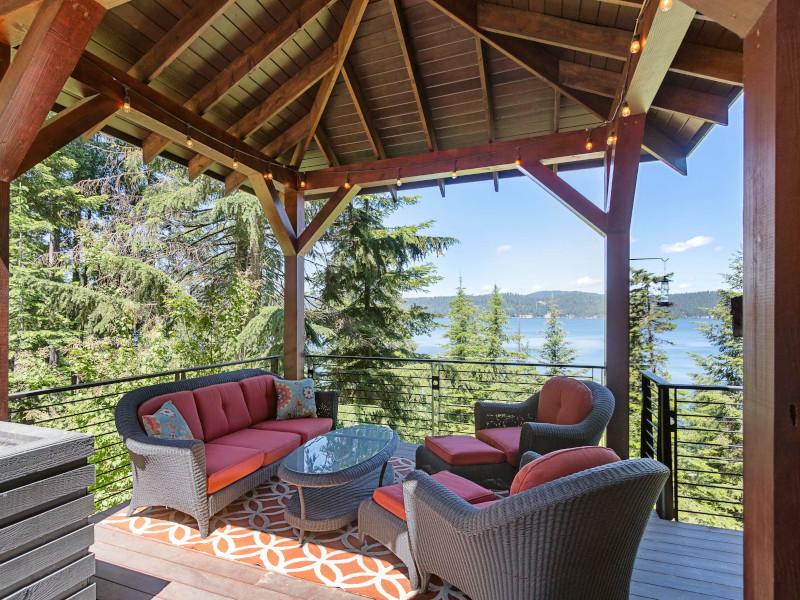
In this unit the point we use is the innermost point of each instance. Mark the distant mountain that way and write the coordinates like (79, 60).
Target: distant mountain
(573, 305)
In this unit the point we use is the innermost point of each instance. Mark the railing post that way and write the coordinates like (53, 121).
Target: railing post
(666, 502)
(274, 364)
(434, 395)
(647, 424)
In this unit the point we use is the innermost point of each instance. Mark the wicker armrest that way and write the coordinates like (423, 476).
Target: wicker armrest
(171, 467)
(527, 457)
(544, 438)
(327, 405)
(490, 415)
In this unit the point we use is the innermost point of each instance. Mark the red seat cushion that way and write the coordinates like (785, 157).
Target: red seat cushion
(183, 401)
(459, 450)
(390, 497)
(561, 463)
(306, 428)
(222, 409)
(564, 401)
(505, 439)
(273, 445)
(226, 464)
(259, 395)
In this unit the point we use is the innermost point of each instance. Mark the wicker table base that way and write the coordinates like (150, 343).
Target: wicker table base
(329, 508)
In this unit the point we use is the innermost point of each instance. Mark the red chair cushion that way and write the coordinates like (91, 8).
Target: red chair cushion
(505, 439)
(564, 401)
(183, 401)
(259, 395)
(306, 428)
(561, 463)
(222, 409)
(459, 450)
(272, 445)
(390, 497)
(226, 464)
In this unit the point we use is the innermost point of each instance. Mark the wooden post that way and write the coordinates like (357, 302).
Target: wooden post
(5, 208)
(772, 305)
(294, 293)
(622, 178)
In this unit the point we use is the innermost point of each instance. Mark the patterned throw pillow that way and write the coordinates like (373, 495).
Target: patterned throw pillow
(167, 424)
(295, 399)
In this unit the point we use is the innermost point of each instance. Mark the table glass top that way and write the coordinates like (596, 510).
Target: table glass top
(339, 449)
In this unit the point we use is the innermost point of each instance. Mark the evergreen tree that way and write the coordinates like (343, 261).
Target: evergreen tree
(462, 332)
(557, 349)
(493, 323)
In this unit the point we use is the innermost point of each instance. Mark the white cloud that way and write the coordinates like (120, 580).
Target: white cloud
(487, 288)
(585, 282)
(695, 242)
(534, 288)
(501, 249)
(633, 240)
(717, 248)
(504, 290)
(684, 286)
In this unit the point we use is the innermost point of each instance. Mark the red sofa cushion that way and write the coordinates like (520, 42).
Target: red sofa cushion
(222, 409)
(259, 395)
(226, 464)
(561, 463)
(306, 428)
(272, 445)
(390, 497)
(183, 401)
(564, 401)
(459, 450)
(505, 439)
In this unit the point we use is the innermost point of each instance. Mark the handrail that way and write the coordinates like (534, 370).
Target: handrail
(455, 361)
(660, 381)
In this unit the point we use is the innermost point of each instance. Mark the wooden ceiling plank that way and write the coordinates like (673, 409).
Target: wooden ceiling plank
(244, 64)
(555, 31)
(364, 114)
(529, 55)
(325, 147)
(58, 131)
(36, 76)
(346, 36)
(325, 218)
(706, 62)
(737, 15)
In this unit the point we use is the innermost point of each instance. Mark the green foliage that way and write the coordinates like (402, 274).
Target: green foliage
(556, 350)
(462, 333)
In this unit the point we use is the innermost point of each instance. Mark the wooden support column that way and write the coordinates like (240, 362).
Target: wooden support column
(294, 294)
(624, 173)
(771, 306)
(5, 208)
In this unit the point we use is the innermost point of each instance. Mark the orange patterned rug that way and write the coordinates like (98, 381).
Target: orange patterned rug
(252, 530)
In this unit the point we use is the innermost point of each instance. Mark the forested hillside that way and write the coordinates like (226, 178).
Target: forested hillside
(573, 305)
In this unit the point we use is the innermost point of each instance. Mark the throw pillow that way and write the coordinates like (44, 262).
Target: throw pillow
(167, 423)
(295, 399)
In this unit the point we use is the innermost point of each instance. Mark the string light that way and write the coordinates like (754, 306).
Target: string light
(665, 5)
(636, 43)
(302, 180)
(626, 110)
(399, 181)
(589, 144)
(347, 182)
(126, 100)
(612, 139)
(235, 163)
(269, 172)
(518, 162)
(189, 140)
(454, 174)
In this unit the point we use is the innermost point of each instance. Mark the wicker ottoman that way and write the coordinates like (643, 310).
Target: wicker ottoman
(468, 457)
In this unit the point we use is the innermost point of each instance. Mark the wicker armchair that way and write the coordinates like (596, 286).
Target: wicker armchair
(172, 473)
(571, 539)
(544, 438)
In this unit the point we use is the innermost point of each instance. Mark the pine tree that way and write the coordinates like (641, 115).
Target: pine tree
(557, 349)
(493, 323)
(462, 333)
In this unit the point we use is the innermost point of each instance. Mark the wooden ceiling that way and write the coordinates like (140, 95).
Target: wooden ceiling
(320, 83)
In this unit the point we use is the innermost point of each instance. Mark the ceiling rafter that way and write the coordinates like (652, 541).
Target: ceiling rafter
(324, 145)
(364, 115)
(244, 64)
(486, 94)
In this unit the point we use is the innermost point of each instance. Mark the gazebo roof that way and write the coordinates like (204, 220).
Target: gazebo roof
(417, 75)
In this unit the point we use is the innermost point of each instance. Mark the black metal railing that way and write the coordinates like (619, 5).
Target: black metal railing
(695, 430)
(423, 396)
(89, 408)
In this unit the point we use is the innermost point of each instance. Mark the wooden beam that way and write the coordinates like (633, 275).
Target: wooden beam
(724, 66)
(529, 55)
(325, 218)
(364, 115)
(155, 112)
(737, 15)
(589, 79)
(276, 213)
(58, 131)
(486, 158)
(240, 67)
(294, 296)
(324, 145)
(556, 120)
(486, 90)
(664, 149)
(585, 209)
(5, 263)
(555, 31)
(38, 72)
(771, 317)
(623, 176)
(346, 36)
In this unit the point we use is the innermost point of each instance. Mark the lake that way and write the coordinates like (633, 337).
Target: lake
(587, 336)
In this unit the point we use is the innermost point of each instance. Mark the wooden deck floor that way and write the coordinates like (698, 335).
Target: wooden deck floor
(677, 561)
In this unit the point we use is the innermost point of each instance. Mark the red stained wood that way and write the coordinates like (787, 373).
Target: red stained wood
(5, 208)
(737, 15)
(294, 295)
(771, 308)
(325, 218)
(39, 70)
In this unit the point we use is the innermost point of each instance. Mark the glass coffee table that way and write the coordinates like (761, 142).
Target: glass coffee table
(334, 472)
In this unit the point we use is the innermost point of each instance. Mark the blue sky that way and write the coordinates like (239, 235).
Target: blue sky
(523, 240)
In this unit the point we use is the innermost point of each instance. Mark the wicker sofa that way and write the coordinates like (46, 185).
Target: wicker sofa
(238, 443)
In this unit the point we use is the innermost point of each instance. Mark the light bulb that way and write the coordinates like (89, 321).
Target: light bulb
(636, 44)
(235, 164)
(269, 172)
(626, 110)
(399, 182)
(665, 5)
(518, 162)
(347, 182)
(126, 104)
(589, 144)
(189, 141)
(612, 139)
(454, 174)
(303, 182)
